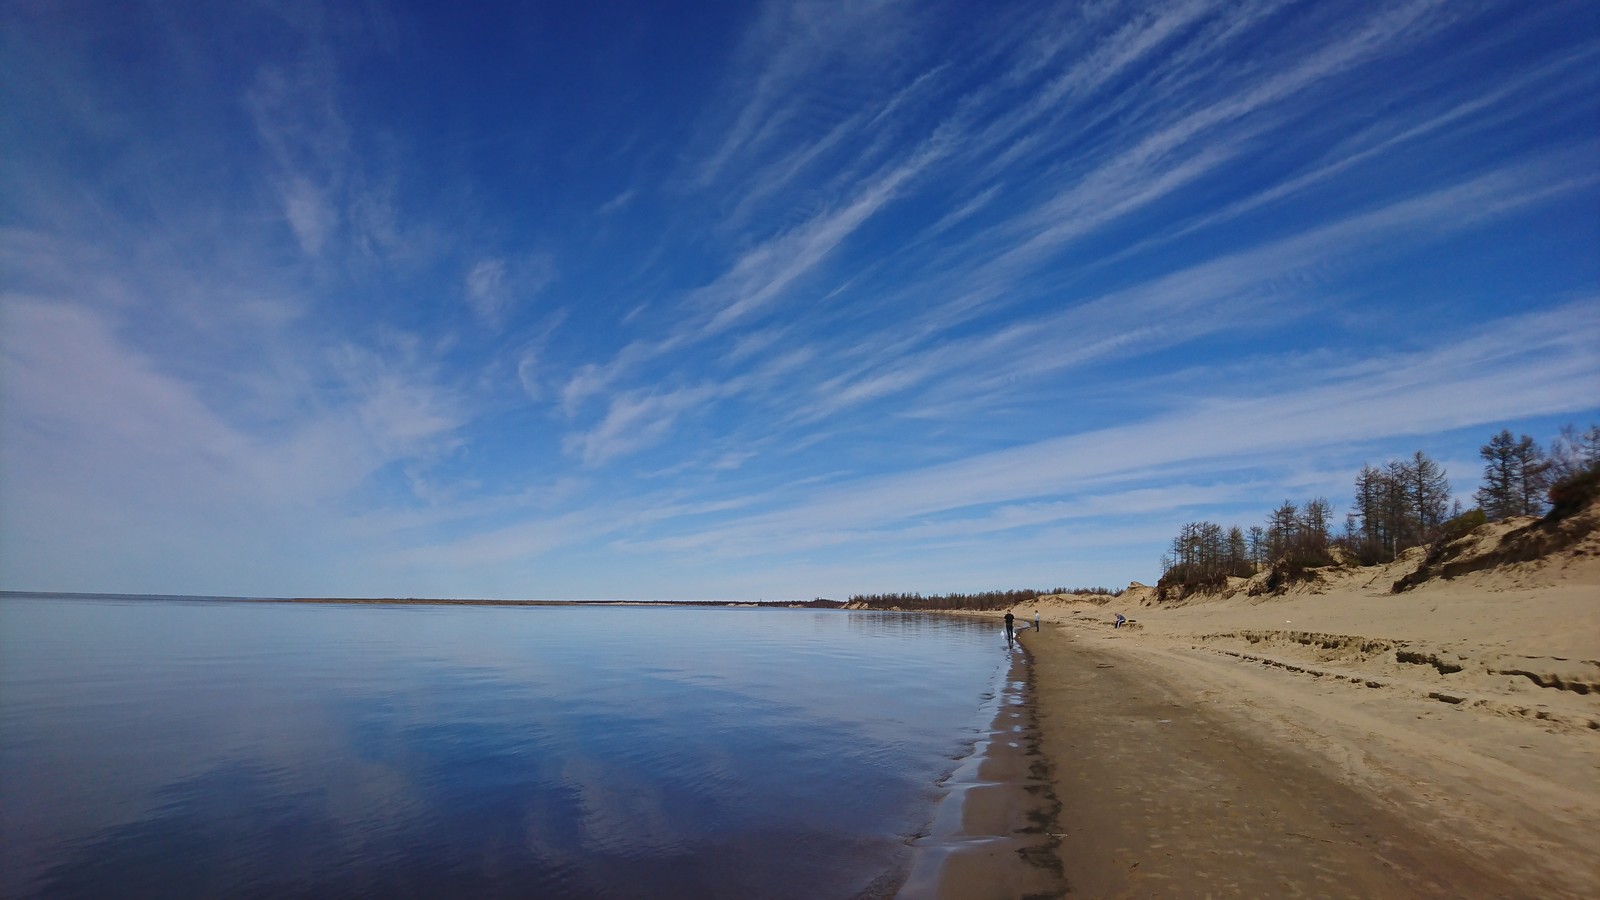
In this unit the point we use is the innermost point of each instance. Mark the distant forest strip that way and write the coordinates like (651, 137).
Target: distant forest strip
(981, 601)
(818, 603)
(405, 601)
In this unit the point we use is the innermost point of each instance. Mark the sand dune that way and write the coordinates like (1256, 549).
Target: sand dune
(1462, 714)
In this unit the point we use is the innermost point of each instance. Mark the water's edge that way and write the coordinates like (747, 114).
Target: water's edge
(996, 825)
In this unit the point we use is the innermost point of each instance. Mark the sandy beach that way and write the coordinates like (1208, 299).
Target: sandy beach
(1337, 740)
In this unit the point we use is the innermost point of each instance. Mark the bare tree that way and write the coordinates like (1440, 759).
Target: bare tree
(1427, 495)
(1257, 542)
(1400, 505)
(1372, 487)
(1311, 533)
(1515, 476)
(1572, 453)
(1238, 562)
(1281, 527)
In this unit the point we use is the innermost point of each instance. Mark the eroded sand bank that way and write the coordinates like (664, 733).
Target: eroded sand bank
(1339, 741)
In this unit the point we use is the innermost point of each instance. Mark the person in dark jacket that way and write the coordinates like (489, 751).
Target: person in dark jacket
(1009, 619)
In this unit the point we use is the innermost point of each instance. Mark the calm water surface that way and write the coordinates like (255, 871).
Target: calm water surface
(207, 747)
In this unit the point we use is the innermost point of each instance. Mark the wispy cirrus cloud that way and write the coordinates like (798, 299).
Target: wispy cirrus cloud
(1276, 280)
(495, 285)
(1189, 457)
(1171, 147)
(794, 48)
(94, 425)
(757, 280)
(1535, 364)
(831, 288)
(633, 421)
(297, 116)
(759, 277)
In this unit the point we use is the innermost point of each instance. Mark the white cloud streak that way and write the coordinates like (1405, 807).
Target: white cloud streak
(1169, 147)
(495, 287)
(1540, 364)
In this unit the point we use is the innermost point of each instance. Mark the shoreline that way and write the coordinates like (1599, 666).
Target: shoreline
(994, 832)
(433, 601)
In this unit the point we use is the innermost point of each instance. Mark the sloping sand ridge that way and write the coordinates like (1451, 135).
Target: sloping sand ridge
(1338, 739)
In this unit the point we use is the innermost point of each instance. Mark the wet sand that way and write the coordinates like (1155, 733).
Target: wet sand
(1163, 795)
(995, 834)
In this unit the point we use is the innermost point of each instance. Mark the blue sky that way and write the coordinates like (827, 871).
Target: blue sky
(764, 300)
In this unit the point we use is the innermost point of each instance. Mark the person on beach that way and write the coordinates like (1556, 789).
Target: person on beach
(1120, 619)
(1036, 620)
(1009, 619)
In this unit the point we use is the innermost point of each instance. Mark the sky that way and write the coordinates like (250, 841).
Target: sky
(764, 300)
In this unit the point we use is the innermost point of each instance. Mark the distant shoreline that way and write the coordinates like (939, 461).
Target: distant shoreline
(435, 601)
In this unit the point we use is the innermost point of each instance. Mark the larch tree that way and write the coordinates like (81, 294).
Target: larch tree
(1256, 539)
(1398, 524)
(1572, 453)
(1427, 495)
(1515, 476)
(1238, 552)
(1316, 520)
(1281, 529)
(1371, 489)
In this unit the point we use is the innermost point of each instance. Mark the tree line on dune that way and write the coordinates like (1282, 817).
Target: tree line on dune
(1402, 504)
(980, 601)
